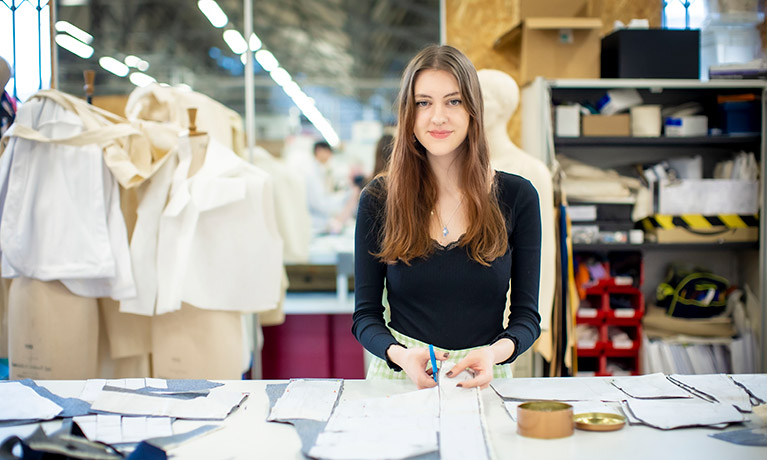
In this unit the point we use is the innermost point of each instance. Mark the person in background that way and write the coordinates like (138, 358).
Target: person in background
(383, 153)
(447, 236)
(329, 208)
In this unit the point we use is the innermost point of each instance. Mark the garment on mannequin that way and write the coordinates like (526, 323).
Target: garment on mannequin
(500, 95)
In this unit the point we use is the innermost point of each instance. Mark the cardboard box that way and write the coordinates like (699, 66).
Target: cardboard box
(651, 53)
(553, 47)
(552, 8)
(711, 235)
(607, 125)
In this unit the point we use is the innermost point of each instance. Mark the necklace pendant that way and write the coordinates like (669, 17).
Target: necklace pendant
(444, 231)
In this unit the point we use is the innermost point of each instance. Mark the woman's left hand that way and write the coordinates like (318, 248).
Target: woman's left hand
(481, 362)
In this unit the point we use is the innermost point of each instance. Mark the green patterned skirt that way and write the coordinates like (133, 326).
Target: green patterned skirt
(378, 369)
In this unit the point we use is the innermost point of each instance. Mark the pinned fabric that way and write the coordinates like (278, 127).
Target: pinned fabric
(133, 151)
(61, 216)
(167, 105)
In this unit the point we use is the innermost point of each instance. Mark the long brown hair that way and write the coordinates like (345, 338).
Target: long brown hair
(410, 185)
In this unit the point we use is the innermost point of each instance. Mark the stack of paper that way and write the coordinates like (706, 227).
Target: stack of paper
(668, 414)
(214, 406)
(393, 427)
(755, 384)
(307, 400)
(461, 419)
(115, 429)
(19, 402)
(558, 389)
(715, 387)
(652, 386)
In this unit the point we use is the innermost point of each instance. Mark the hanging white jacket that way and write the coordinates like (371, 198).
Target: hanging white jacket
(60, 216)
(218, 247)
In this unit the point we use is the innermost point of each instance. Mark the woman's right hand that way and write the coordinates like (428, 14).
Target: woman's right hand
(413, 362)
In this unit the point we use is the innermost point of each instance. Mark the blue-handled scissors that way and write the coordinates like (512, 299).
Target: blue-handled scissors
(433, 362)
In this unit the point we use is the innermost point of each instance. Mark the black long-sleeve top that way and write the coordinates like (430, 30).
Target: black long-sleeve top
(448, 299)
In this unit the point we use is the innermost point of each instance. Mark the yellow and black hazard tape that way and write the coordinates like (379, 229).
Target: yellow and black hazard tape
(698, 221)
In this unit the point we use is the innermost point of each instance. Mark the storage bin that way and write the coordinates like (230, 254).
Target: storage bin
(708, 197)
(651, 53)
(740, 117)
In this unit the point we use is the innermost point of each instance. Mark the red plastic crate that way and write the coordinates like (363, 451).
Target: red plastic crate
(635, 333)
(622, 316)
(596, 318)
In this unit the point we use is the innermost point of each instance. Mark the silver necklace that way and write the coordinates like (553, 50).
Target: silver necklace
(445, 231)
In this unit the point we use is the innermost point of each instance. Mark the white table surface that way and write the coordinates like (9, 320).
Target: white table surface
(246, 434)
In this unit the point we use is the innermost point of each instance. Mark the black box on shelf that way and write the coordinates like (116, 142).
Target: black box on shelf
(651, 53)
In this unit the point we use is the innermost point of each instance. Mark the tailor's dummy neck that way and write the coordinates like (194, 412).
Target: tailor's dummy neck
(195, 147)
(501, 147)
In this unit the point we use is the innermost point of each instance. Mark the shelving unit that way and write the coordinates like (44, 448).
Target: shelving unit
(694, 142)
(741, 263)
(613, 305)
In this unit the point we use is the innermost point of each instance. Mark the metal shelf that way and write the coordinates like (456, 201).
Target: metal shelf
(652, 83)
(667, 246)
(657, 141)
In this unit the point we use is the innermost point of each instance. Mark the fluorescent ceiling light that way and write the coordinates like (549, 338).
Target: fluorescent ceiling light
(132, 61)
(280, 76)
(291, 89)
(141, 79)
(73, 30)
(266, 60)
(236, 41)
(74, 46)
(111, 64)
(142, 65)
(73, 2)
(213, 12)
(254, 42)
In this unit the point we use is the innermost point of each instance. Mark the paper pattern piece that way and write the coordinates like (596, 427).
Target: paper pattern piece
(71, 407)
(650, 386)
(756, 384)
(461, 419)
(19, 402)
(668, 414)
(307, 399)
(558, 389)
(150, 386)
(718, 387)
(392, 427)
(215, 406)
(114, 429)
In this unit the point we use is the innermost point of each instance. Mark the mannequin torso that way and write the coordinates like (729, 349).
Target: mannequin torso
(501, 95)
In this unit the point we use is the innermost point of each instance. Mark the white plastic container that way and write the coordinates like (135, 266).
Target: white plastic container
(568, 121)
(687, 126)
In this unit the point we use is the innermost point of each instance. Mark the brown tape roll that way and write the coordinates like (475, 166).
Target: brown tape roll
(545, 419)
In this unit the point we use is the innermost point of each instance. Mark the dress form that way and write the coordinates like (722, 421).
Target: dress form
(500, 95)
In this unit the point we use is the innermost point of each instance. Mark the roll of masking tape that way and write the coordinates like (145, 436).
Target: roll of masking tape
(545, 419)
(646, 121)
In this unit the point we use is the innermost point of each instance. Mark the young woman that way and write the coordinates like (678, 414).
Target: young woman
(447, 236)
